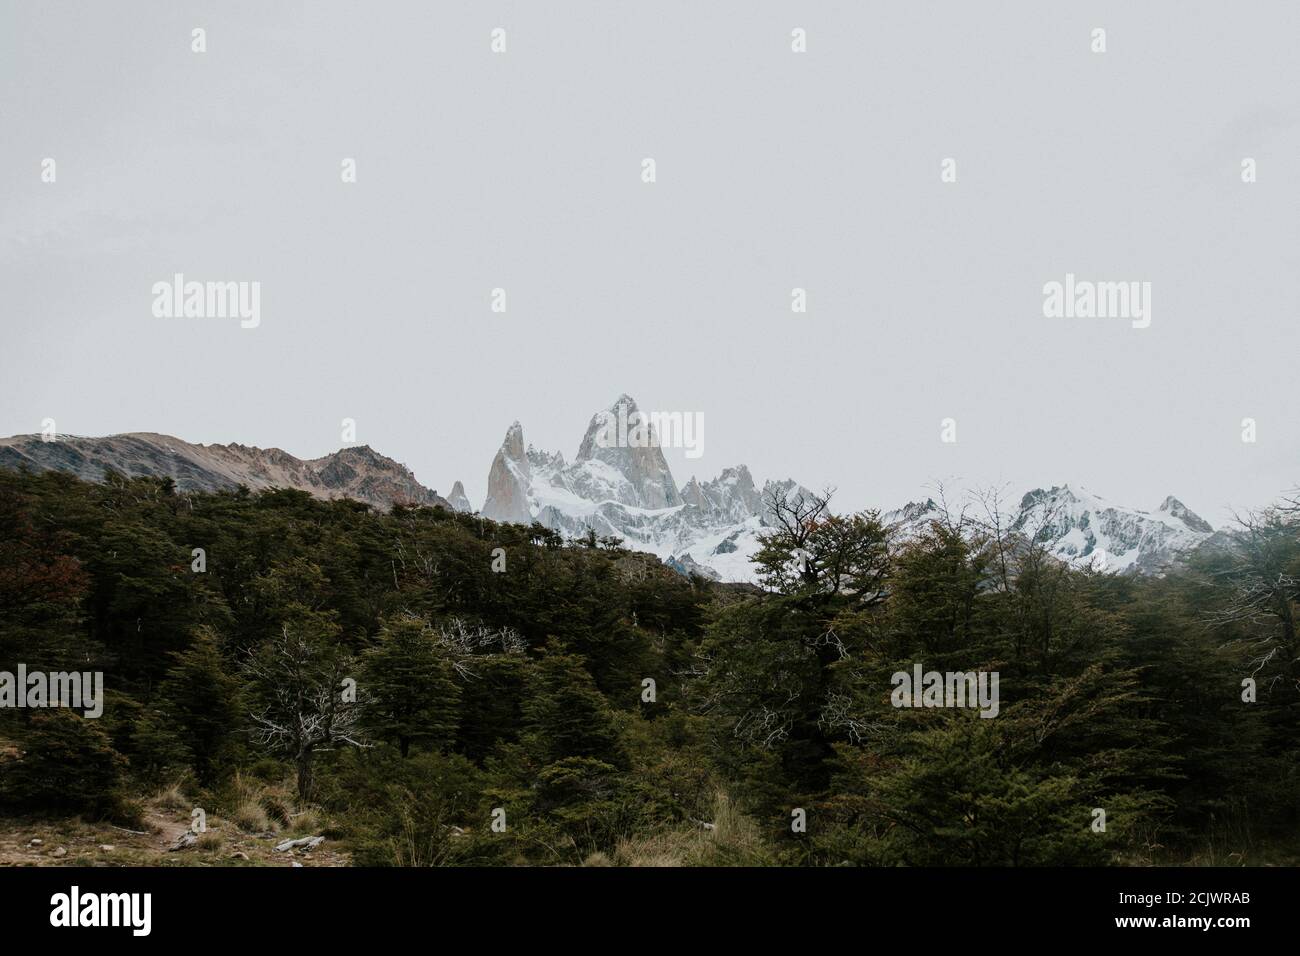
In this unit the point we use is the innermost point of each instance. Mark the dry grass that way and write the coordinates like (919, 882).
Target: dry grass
(171, 797)
(271, 808)
(251, 818)
(235, 837)
(308, 821)
(734, 840)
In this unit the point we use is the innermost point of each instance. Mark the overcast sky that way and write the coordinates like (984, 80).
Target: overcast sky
(775, 170)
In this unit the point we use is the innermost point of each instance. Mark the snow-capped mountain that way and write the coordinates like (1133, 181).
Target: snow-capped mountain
(1084, 529)
(458, 500)
(712, 527)
(628, 491)
(620, 488)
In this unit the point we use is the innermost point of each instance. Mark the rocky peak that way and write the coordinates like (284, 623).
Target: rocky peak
(358, 472)
(540, 460)
(622, 439)
(911, 520)
(1176, 509)
(457, 499)
(693, 494)
(513, 445)
(1078, 527)
(730, 496)
(508, 480)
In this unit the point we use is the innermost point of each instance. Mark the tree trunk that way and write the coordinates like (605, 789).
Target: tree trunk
(305, 781)
(1288, 631)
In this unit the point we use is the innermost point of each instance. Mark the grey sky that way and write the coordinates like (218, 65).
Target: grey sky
(775, 170)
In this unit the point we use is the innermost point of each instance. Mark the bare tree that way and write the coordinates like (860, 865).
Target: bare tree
(786, 559)
(1259, 575)
(303, 706)
(810, 551)
(463, 641)
(1024, 567)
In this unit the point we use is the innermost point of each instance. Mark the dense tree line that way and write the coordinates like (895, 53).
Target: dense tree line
(451, 690)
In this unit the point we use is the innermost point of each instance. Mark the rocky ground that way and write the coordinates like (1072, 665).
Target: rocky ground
(33, 841)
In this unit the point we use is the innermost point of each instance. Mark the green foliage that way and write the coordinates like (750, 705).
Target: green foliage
(521, 692)
(198, 704)
(566, 716)
(416, 811)
(409, 695)
(67, 764)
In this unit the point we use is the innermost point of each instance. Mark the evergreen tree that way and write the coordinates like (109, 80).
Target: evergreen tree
(67, 764)
(199, 700)
(566, 716)
(407, 688)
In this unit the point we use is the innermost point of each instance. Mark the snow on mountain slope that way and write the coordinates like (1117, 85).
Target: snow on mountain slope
(712, 527)
(629, 492)
(1082, 527)
(457, 499)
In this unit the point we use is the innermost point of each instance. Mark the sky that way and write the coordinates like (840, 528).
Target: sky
(774, 170)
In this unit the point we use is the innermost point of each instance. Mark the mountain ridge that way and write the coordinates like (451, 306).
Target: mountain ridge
(712, 527)
(709, 527)
(356, 471)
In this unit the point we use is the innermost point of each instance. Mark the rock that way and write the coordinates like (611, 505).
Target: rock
(356, 472)
(508, 481)
(687, 566)
(1084, 530)
(1176, 509)
(612, 438)
(61, 851)
(620, 485)
(297, 864)
(36, 842)
(184, 841)
(308, 843)
(457, 499)
(728, 499)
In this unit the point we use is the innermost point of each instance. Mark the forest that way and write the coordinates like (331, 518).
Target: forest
(424, 687)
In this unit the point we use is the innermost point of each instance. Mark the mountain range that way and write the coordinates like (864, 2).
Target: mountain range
(629, 492)
(625, 490)
(357, 472)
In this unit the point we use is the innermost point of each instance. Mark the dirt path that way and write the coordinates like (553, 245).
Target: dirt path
(40, 842)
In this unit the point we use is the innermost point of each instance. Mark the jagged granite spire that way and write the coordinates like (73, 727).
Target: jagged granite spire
(613, 437)
(1176, 509)
(620, 485)
(457, 498)
(508, 481)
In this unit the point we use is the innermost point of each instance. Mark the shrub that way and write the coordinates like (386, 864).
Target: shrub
(67, 764)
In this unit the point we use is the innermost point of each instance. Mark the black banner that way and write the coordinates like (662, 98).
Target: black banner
(202, 905)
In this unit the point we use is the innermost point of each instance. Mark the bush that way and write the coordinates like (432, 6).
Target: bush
(67, 764)
(412, 812)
